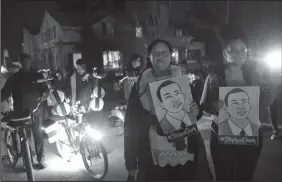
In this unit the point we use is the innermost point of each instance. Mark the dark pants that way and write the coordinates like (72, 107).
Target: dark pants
(233, 163)
(274, 114)
(38, 132)
(184, 172)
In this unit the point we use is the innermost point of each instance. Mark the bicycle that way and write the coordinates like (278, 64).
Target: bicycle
(75, 136)
(17, 141)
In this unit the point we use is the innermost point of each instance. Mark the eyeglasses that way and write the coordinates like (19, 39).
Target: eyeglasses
(160, 54)
(237, 51)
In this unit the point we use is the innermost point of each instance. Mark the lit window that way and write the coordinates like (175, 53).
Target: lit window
(112, 59)
(175, 55)
(138, 31)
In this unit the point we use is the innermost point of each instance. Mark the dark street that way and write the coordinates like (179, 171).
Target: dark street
(155, 69)
(268, 168)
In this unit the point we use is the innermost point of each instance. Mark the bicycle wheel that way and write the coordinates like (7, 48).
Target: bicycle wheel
(12, 147)
(27, 160)
(94, 151)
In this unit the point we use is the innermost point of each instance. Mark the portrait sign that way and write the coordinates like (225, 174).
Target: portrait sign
(239, 118)
(171, 99)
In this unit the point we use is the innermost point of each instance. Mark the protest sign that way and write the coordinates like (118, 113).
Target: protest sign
(239, 118)
(171, 99)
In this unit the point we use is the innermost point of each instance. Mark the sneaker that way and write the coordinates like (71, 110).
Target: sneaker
(42, 164)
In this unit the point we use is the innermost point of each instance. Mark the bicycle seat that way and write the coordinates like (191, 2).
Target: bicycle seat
(21, 115)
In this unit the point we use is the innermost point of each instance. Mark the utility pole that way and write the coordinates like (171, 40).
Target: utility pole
(227, 11)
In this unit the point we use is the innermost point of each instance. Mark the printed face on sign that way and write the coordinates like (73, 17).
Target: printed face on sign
(238, 104)
(239, 120)
(171, 97)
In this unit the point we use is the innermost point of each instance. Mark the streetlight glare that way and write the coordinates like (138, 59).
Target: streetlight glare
(273, 59)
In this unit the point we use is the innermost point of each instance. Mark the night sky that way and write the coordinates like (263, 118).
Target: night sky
(261, 17)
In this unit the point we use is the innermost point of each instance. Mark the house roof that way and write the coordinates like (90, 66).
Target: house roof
(33, 29)
(68, 19)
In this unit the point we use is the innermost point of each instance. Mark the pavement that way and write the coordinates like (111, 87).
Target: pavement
(268, 168)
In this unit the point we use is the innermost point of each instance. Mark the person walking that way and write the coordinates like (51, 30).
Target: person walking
(148, 154)
(232, 162)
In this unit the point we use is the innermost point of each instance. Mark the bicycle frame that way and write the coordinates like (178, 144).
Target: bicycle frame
(77, 127)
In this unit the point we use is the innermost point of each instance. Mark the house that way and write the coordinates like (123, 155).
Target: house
(131, 31)
(58, 37)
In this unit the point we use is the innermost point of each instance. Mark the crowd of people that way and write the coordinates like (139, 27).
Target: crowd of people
(145, 156)
(149, 155)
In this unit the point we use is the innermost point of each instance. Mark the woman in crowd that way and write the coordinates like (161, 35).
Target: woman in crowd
(146, 158)
(232, 162)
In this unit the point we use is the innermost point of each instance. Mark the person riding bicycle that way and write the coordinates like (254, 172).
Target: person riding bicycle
(26, 94)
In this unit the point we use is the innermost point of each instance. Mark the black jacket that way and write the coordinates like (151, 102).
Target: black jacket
(137, 150)
(25, 92)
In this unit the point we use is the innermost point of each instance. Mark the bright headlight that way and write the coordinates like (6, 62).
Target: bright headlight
(3, 69)
(95, 134)
(273, 59)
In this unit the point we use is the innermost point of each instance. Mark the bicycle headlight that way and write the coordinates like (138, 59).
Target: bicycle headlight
(95, 134)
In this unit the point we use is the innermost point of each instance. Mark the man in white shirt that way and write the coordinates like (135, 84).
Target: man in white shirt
(238, 107)
(172, 101)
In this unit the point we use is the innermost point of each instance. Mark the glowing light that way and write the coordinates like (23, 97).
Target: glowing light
(95, 134)
(273, 59)
(3, 70)
(60, 165)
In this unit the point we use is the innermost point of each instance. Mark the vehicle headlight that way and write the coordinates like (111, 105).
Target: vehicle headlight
(95, 134)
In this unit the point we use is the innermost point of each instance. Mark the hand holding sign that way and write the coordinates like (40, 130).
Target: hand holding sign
(194, 108)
